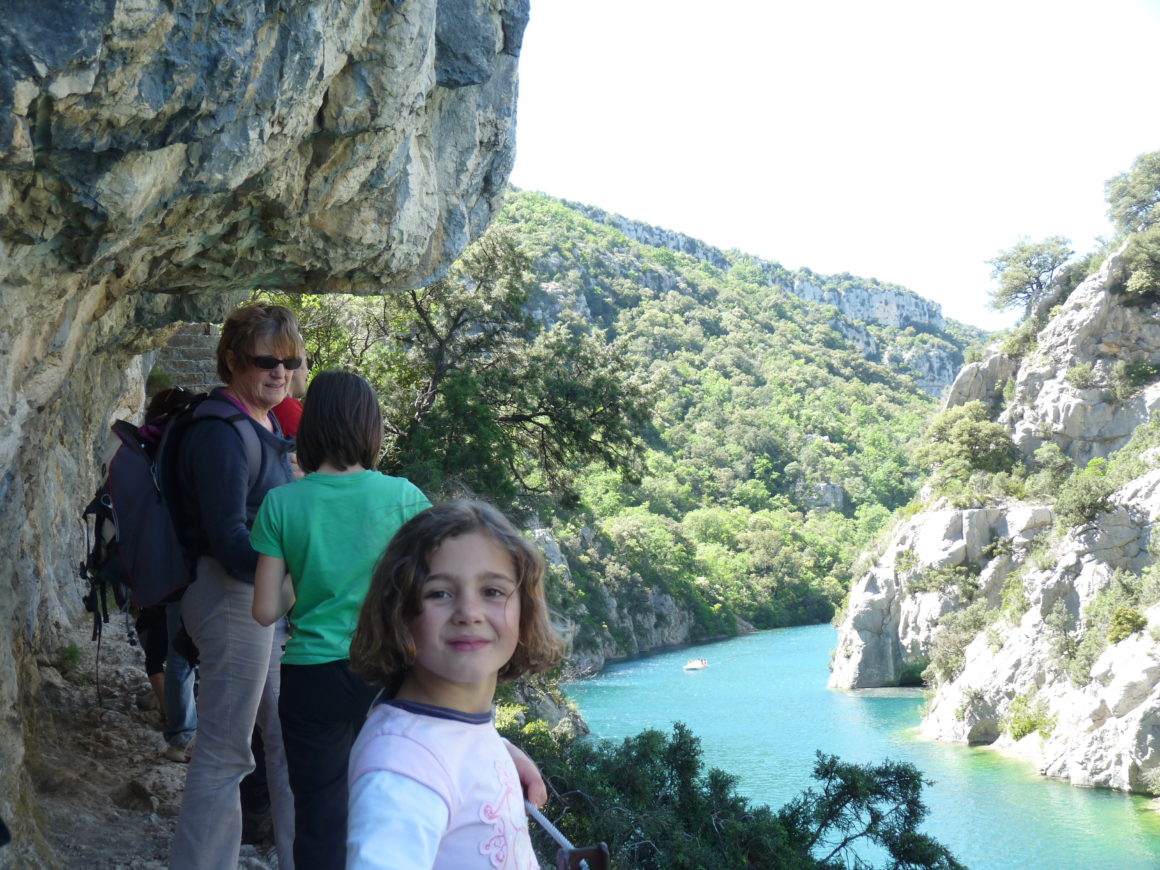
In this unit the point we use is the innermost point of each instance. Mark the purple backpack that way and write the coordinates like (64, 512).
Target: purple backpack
(136, 552)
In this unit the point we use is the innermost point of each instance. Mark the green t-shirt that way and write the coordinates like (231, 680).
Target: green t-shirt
(331, 529)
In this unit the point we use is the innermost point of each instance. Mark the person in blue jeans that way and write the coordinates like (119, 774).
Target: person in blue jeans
(171, 676)
(170, 673)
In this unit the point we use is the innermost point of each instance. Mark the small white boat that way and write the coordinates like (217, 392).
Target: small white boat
(696, 665)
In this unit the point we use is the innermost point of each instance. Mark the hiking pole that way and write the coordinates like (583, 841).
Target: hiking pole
(569, 857)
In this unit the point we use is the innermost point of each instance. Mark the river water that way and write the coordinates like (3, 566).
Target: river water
(762, 708)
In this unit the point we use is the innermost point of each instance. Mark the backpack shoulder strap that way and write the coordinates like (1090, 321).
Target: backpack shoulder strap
(222, 409)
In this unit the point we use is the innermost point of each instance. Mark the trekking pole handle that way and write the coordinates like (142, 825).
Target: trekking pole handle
(551, 829)
(546, 825)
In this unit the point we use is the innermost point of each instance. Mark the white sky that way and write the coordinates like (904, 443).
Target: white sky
(906, 140)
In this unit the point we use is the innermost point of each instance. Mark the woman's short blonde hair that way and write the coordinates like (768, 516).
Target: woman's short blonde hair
(246, 325)
(383, 647)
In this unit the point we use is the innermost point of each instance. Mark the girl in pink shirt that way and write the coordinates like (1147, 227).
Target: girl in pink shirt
(456, 605)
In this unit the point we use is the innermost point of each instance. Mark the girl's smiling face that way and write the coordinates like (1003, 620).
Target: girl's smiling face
(468, 627)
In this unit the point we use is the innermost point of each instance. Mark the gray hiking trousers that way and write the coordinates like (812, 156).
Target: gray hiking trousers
(239, 682)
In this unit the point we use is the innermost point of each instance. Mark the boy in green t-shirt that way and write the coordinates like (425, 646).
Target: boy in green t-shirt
(318, 540)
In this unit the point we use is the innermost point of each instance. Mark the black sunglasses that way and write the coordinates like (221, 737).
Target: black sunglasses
(269, 363)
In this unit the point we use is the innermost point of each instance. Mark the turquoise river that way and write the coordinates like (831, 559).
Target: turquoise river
(762, 708)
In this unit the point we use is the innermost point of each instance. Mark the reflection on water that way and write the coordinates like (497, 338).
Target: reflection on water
(761, 709)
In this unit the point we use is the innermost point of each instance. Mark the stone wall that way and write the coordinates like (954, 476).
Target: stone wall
(190, 358)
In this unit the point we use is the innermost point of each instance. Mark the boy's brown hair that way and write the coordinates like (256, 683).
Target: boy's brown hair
(341, 423)
(383, 647)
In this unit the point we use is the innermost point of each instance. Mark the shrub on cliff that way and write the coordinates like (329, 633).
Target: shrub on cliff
(1114, 614)
(1134, 207)
(1084, 496)
(1023, 718)
(1052, 468)
(962, 441)
(1134, 196)
(1126, 621)
(955, 631)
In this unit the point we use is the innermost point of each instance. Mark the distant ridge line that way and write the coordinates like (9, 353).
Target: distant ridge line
(902, 306)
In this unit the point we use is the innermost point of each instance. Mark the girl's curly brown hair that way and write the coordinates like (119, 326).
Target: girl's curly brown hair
(383, 647)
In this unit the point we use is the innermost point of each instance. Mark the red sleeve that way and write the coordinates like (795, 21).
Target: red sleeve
(289, 414)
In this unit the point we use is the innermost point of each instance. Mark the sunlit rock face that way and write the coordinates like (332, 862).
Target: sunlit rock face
(1097, 722)
(158, 161)
(897, 308)
(1096, 331)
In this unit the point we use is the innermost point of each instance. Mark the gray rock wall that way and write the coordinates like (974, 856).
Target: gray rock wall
(158, 161)
(1102, 731)
(896, 308)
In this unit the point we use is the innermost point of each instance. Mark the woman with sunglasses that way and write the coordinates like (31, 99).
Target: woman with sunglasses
(222, 478)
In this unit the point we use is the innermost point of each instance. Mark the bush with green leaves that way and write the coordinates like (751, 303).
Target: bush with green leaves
(955, 632)
(1064, 637)
(1022, 339)
(1134, 207)
(1014, 594)
(1143, 256)
(1134, 195)
(961, 441)
(1128, 377)
(1081, 376)
(1024, 718)
(68, 660)
(1126, 621)
(651, 800)
(1052, 468)
(1084, 495)
(1126, 595)
(960, 579)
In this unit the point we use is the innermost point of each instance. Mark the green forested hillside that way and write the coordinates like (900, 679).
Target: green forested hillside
(681, 422)
(775, 449)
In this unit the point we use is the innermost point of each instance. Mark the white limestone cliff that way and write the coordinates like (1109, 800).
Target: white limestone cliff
(1021, 598)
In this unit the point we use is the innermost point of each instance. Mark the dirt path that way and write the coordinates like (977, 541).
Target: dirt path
(108, 800)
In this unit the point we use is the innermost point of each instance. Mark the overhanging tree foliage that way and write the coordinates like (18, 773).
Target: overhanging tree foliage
(1025, 270)
(507, 404)
(651, 800)
(1134, 196)
(477, 394)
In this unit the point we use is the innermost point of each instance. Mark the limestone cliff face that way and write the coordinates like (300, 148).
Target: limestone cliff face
(1094, 329)
(897, 308)
(656, 237)
(858, 303)
(887, 634)
(159, 160)
(1023, 608)
(638, 621)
